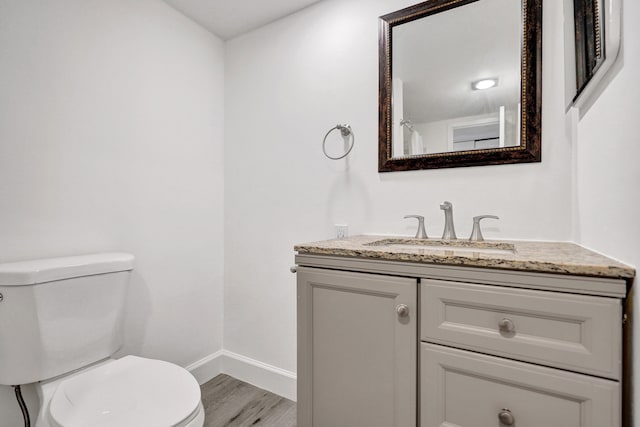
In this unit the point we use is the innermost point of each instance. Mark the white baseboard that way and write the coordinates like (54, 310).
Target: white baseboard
(254, 372)
(268, 377)
(207, 368)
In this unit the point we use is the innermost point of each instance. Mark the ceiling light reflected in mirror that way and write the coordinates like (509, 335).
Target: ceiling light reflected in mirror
(484, 84)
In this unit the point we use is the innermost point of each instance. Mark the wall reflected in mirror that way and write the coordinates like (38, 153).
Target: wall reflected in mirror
(456, 80)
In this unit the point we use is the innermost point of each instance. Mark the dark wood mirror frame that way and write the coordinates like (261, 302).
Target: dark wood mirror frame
(531, 95)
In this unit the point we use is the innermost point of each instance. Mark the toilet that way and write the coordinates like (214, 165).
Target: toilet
(61, 324)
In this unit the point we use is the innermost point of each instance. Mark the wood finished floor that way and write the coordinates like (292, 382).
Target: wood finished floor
(229, 402)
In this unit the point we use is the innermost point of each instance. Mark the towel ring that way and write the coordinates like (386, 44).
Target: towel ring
(345, 130)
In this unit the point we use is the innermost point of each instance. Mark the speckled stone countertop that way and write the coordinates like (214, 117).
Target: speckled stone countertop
(546, 257)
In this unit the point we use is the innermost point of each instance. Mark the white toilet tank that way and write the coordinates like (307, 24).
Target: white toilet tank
(60, 314)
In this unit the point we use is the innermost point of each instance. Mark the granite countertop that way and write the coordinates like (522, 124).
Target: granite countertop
(546, 257)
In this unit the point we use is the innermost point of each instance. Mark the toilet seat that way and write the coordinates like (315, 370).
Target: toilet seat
(128, 392)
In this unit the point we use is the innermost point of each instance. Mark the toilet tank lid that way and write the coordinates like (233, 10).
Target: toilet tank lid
(23, 273)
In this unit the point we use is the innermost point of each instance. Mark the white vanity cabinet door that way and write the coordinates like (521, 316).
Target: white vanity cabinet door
(464, 389)
(357, 349)
(574, 332)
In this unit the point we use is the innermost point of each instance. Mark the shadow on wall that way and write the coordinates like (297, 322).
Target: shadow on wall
(349, 201)
(137, 310)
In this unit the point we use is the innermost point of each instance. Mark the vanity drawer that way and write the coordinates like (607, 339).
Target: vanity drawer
(573, 332)
(464, 389)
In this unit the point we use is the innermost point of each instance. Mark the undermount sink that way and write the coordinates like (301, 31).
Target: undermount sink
(496, 248)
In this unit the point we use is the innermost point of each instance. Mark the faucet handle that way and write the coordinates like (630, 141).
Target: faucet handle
(476, 234)
(421, 233)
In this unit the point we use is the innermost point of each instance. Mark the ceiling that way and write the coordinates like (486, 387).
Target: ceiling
(230, 18)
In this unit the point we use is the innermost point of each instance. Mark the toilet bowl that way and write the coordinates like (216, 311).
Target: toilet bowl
(128, 392)
(62, 324)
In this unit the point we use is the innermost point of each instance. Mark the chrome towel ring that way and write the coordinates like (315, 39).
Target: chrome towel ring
(345, 131)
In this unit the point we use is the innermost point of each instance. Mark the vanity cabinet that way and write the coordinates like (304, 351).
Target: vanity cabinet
(398, 344)
(357, 349)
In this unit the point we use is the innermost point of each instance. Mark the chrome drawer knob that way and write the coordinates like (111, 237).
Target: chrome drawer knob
(293, 269)
(507, 326)
(506, 417)
(402, 310)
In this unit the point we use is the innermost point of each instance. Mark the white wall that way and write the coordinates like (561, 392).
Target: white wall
(607, 172)
(111, 128)
(286, 85)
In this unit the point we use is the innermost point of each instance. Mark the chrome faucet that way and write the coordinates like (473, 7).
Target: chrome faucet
(449, 229)
(421, 233)
(476, 233)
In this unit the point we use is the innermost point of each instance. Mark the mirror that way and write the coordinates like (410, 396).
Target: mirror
(460, 84)
(592, 42)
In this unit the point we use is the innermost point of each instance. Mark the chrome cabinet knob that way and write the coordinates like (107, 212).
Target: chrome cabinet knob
(507, 326)
(293, 269)
(402, 310)
(506, 417)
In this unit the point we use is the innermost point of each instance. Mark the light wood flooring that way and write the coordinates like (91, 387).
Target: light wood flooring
(229, 402)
